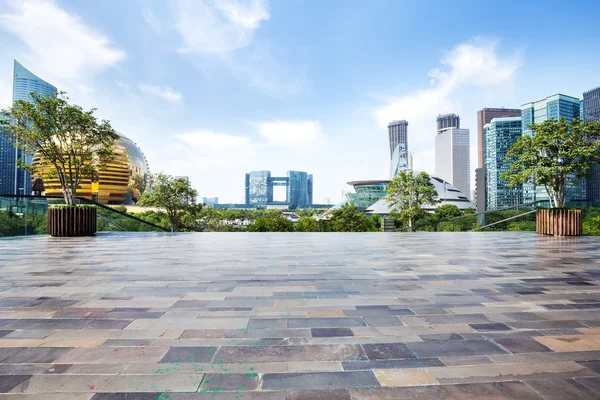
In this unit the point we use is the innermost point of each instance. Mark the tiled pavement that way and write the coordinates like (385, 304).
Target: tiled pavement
(300, 316)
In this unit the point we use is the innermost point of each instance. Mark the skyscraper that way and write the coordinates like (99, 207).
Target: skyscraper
(15, 180)
(299, 189)
(552, 107)
(485, 116)
(591, 112)
(499, 135)
(298, 185)
(447, 121)
(259, 191)
(452, 158)
(397, 131)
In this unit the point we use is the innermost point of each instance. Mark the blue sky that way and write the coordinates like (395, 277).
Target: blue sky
(215, 88)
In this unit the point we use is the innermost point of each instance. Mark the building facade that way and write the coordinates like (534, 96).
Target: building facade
(398, 136)
(485, 116)
(553, 107)
(591, 112)
(259, 189)
(210, 201)
(452, 158)
(15, 180)
(499, 136)
(447, 121)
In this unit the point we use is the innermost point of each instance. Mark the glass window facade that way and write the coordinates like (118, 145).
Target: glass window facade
(499, 136)
(15, 180)
(591, 112)
(397, 132)
(553, 107)
(259, 188)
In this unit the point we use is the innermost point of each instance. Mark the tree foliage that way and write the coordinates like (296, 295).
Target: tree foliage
(307, 224)
(71, 143)
(349, 219)
(271, 221)
(555, 156)
(176, 197)
(447, 211)
(407, 193)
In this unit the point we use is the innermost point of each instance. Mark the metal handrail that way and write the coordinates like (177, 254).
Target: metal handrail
(504, 220)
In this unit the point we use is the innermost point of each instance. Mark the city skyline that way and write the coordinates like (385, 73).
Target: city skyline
(263, 92)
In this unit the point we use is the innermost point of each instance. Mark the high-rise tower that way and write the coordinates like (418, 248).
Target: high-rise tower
(452, 158)
(397, 131)
(485, 116)
(447, 121)
(591, 112)
(15, 180)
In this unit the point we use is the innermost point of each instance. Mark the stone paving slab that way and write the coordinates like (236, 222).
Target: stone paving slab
(300, 317)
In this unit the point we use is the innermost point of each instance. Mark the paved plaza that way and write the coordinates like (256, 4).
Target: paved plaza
(299, 316)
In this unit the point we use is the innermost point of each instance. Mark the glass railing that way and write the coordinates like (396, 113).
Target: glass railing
(28, 215)
(515, 218)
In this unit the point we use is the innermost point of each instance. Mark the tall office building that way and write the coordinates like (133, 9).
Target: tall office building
(552, 107)
(452, 158)
(499, 136)
(447, 121)
(591, 112)
(260, 184)
(485, 116)
(15, 180)
(397, 131)
(299, 189)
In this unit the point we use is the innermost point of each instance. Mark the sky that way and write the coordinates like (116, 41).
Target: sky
(212, 89)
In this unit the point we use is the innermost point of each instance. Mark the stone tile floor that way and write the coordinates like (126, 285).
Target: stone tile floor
(300, 316)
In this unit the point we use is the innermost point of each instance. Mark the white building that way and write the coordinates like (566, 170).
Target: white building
(452, 158)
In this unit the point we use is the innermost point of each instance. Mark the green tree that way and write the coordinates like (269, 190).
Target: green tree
(271, 221)
(555, 156)
(407, 193)
(71, 143)
(307, 224)
(177, 197)
(349, 219)
(447, 211)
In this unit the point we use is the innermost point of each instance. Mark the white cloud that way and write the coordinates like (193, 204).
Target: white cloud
(152, 20)
(218, 26)
(164, 92)
(62, 43)
(214, 149)
(289, 133)
(470, 71)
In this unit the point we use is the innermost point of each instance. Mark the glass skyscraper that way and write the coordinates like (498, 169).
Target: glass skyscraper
(15, 180)
(591, 112)
(499, 136)
(259, 191)
(452, 158)
(552, 107)
(299, 190)
(447, 121)
(397, 132)
(259, 188)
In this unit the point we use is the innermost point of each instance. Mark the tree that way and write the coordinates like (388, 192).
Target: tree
(307, 224)
(447, 211)
(407, 193)
(177, 197)
(71, 144)
(349, 219)
(555, 156)
(271, 221)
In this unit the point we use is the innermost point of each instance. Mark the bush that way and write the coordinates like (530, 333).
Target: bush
(591, 226)
(521, 226)
(307, 224)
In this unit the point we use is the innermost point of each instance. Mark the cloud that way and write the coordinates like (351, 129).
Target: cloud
(289, 133)
(164, 92)
(214, 149)
(218, 26)
(152, 20)
(62, 43)
(467, 72)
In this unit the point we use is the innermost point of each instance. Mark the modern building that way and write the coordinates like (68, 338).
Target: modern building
(400, 160)
(553, 107)
(15, 180)
(447, 121)
(123, 181)
(499, 135)
(485, 116)
(210, 201)
(591, 112)
(452, 158)
(397, 132)
(480, 190)
(260, 184)
(369, 195)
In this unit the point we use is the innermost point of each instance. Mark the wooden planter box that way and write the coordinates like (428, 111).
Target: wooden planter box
(71, 221)
(559, 222)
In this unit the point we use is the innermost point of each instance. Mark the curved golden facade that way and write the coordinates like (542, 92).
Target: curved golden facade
(123, 180)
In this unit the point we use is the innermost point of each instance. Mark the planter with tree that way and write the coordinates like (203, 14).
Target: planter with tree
(177, 198)
(67, 143)
(556, 156)
(407, 193)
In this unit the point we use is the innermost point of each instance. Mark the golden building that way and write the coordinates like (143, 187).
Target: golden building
(123, 180)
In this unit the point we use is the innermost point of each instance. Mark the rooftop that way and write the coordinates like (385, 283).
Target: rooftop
(301, 316)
